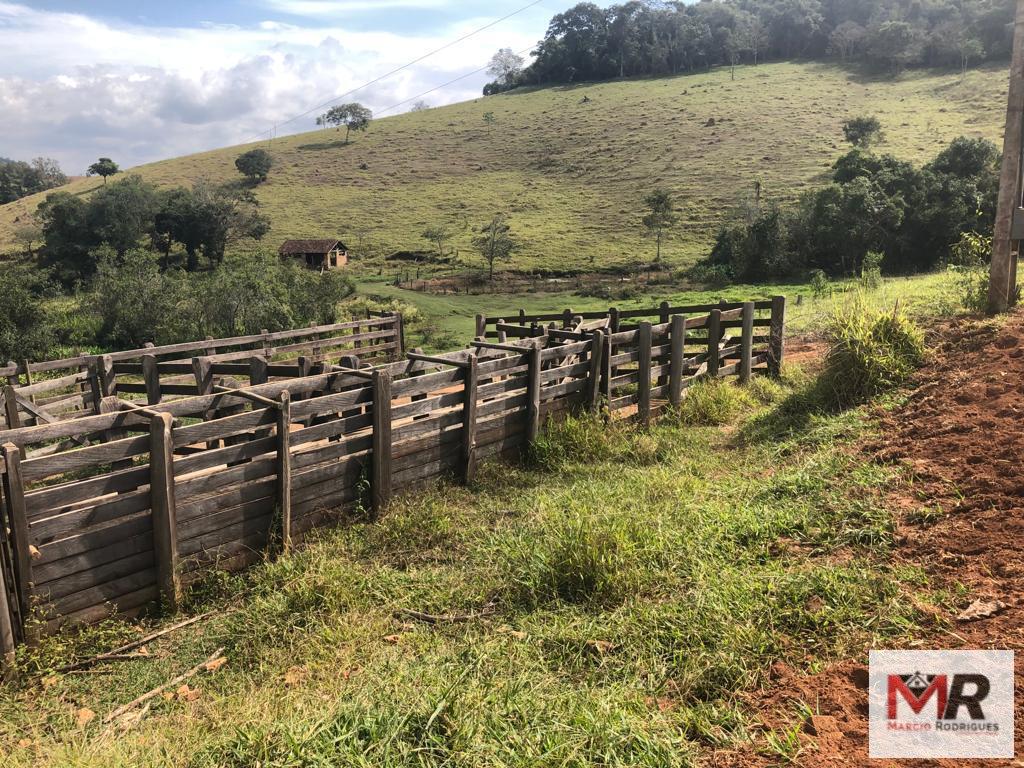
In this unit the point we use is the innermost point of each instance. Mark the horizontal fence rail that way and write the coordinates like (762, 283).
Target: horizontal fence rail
(125, 508)
(53, 391)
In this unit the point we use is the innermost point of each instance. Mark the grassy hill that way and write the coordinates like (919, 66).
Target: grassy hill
(571, 165)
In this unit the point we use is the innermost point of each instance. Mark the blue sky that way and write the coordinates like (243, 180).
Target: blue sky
(144, 80)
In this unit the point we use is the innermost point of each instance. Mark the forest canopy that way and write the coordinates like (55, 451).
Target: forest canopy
(633, 39)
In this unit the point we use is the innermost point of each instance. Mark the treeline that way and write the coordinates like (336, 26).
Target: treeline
(129, 264)
(913, 217)
(189, 227)
(19, 179)
(637, 38)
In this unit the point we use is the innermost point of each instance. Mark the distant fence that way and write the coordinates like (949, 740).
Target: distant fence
(132, 506)
(52, 391)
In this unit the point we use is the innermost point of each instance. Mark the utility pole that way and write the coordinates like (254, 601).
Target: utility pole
(1009, 228)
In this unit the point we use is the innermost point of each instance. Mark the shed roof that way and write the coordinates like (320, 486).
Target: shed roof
(297, 247)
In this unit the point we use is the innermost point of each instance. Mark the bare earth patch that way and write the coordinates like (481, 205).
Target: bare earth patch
(961, 436)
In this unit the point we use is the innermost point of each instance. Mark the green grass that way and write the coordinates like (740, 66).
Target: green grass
(572, 175)
(921, 297)
(640, 583)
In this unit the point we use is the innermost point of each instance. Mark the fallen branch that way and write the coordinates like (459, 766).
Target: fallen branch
(430, 618)
(115, 654)
(159, 689)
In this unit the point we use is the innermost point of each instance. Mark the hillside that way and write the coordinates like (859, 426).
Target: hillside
(571, 165)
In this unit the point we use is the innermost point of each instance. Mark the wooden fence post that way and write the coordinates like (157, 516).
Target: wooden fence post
(201, 369)
(151, 376)
(677, 342)
(258, 371)
(594, 374)
(533, 395)
(14, 497)
(7, 646)
(714, 341)
(613, 319)
(268, 350)
(747, 342)
(469, 406)
(101, 377)
(400, 335)
(607, 371)
(11, 414)
(284, 468)
(165, 524)
(381, 480)
(644, 373)
(567, 319)
(776, 335)
(663, 312)
(481, 327)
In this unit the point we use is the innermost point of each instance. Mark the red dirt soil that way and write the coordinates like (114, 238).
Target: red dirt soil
(961, 435)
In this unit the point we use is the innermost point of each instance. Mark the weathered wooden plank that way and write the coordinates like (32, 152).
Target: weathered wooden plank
(17, 519)
(89, 550)
(533, 396)
(747, 343)
(243, 473)
(469, 416)
(380, 483)
(644, 373)
(67, 522)
(678, 344)
(284, 470)
(776, 343)
(165, 525)
(41, 503)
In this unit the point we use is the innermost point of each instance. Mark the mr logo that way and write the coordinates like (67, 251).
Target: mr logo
(960, 705)
(966, 690)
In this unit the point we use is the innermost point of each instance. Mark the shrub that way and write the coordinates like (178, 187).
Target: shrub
(871, 271)
(711, 403)
(819, 284)
(869, 352)
(24, 328)
(576, 558)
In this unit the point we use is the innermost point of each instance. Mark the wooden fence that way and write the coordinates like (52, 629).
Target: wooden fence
(137, 504)
(52, 391)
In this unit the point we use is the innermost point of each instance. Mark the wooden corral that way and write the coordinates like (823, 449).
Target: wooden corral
(136, 504)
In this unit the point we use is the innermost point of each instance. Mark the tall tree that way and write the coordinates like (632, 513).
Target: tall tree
(103, 167)
(254, 164)
(660, 217)
(495, 242)
(355, 117)
(505, 66)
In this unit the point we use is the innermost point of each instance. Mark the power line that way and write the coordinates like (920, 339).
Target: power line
(395, 71)
(443, 85)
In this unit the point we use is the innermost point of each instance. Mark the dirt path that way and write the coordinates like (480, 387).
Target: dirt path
(961, 434)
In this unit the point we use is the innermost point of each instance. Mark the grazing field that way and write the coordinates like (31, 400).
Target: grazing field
(612, 602)
(450, 317)
(571, 165)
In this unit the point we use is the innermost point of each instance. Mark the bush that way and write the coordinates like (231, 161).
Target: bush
(25, 331)
(871, 271)
(869, 353)
(576, 558)
(819, 284)
(711, 403)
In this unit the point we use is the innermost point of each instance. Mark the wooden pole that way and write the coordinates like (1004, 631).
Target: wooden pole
(677, 341)
(381, 480)
(481, 326)
(1003, 271)
(533, 396)
(165, 525)
(613, 319)
(151, 376)
(747, 342)
(644, 373)
(11, 414)
(469, 406)
(284, 469)
(14, 498)
(400, 335)
(258, 371)
(776, 336)
(714, 341)
(7, 646)
(607, 371)
(594, 374)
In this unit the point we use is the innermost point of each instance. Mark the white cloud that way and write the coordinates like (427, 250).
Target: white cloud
(74, 87)
(327, 8)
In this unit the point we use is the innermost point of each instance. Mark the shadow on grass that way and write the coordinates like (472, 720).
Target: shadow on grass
(322, 145)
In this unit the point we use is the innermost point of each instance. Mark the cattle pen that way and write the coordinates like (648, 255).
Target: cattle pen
(136, 474)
